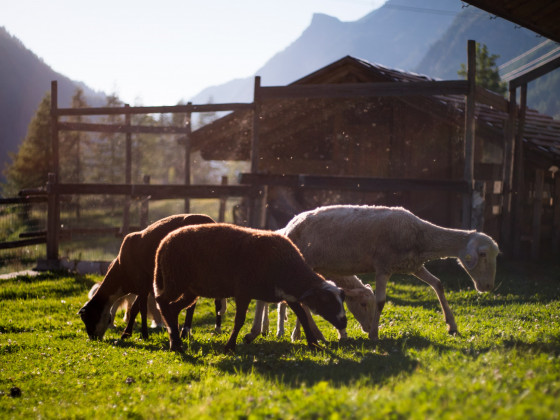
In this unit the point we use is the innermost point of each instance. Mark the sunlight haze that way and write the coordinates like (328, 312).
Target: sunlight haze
(159, 53)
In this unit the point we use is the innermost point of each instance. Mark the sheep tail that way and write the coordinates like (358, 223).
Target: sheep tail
(159, 289)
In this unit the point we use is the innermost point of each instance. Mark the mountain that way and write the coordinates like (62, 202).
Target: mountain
(428, 38)
(24, 81)
(394, 35)
(503, 38)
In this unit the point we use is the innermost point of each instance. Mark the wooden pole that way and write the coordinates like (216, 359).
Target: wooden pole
(537, 214)
(255, 210)
(507, 172)
(53, 211)
(188, 131)
(222, 210)
(144, 206)
(519, 187)
(127, 174)
(256, 122)
(556, 214)
(468, 174)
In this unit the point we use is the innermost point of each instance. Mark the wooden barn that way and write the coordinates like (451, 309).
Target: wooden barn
(406, 137)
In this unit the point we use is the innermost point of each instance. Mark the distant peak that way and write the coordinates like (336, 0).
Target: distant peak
(322, 19)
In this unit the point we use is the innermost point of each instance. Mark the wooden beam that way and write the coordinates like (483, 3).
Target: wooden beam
(546, 67)
(187, 168)
(119, 128)
(365, 184)
(154, 109)
(357, 90)
(157, 192)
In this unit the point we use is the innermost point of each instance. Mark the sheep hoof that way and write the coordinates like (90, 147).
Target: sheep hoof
(373, 337)
(248, 338)
(454, 332)
(176, 347)
(229, 350)
(125, 335)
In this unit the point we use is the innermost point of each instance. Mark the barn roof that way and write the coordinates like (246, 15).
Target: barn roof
(540, 16)
(541, 132)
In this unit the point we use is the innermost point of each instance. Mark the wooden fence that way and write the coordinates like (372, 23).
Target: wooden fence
(254, 184)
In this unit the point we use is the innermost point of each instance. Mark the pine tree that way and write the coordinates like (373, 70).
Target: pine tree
(32, 163)
(487, 74)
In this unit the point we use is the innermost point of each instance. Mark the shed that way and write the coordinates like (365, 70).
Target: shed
(397, 137)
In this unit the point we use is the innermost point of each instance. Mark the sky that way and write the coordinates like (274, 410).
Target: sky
(163, 52)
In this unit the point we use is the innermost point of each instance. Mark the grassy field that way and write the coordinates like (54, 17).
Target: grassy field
(505, 364)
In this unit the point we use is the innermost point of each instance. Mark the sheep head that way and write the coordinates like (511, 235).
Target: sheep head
(96, 317)
(327, 301)
(361, 303)
(478, 258)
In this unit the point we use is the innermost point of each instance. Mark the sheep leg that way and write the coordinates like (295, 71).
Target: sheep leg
(221, 308)
(187, 326)
(380, 297)
(240, 314)
(143, 303)
(170, 314)
(304, 320)
(427, 277)
(296, 334)
(281, 319)
(256, 329)
(134, 309)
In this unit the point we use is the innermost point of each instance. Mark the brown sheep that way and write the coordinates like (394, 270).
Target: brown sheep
(222, 260)
(132, 272)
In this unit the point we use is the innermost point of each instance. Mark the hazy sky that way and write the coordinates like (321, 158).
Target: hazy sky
(161, 52)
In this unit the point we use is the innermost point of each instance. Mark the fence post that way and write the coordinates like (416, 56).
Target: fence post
(222, 210)
(188, 131)
(537, 214)
(53, 225)
(53, 215)
(144, 206)
(258, 206)
(128, 174)
(468, 174)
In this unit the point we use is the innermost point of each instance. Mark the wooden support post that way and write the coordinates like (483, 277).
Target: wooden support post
(478, 205)
(519, 169)
(128, 175)
(556, 215)
(537, 214)
(53, 216)
(188, 131)
(222, 210)
(507, 173)
(257, 207)
(144, 206)
(468, 173)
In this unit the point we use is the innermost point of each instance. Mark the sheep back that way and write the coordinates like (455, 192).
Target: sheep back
(223, 260)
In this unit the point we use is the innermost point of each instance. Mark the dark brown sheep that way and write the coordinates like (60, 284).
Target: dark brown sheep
(221, 260)
(132, 272)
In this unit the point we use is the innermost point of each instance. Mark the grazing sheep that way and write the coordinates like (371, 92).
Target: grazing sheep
(387, 240)
(125, 303)
(223, 260)
(132, 272)
(344, 240)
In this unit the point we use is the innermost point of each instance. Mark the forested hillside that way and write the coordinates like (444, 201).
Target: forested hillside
(24, 81)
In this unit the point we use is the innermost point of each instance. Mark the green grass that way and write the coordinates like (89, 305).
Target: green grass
(504, 364)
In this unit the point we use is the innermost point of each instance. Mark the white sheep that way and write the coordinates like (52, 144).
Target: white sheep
(223, 260)
(343, 240)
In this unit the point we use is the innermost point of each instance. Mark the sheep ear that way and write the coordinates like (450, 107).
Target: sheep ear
(470, 259)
